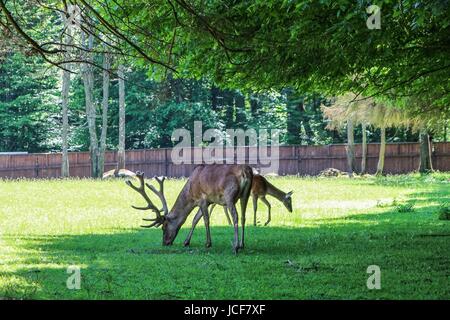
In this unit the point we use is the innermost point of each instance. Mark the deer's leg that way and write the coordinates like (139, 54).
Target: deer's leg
(204, 210)
(231, 193)
(269, 217)
(234, 216)
(211, 209)
(196, 219)
(227, 215)
(255, 208)
(244, 200)
(241, 244)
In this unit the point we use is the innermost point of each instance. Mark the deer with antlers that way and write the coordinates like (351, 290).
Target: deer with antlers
(208, 184)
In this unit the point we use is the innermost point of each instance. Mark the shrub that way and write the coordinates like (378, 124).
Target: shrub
(444, 212)
(407, 207)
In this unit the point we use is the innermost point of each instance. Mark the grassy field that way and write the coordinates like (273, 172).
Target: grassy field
(320, 251)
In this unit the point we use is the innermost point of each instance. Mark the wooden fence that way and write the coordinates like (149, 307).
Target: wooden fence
(293, 160)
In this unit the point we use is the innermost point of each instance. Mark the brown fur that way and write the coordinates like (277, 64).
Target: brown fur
(260, 188)
(208, 184)
(213, 184)
(259, 185)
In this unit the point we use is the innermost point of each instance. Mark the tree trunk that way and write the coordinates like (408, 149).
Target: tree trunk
(88, 81)
(65, 107)
(239, 103)
(175, 91)
(306, 123)
(228, 103)
(121, 151)
(293, 120)
(350, 148)
(364, 149)
(214, 98)
(381, 155)
(254, 105)
(445, 131)
(426, 165)
(105, 100)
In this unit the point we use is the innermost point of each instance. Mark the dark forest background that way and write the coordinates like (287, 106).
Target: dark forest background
(30, 116)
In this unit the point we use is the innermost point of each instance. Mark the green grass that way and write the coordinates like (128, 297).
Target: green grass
(322, 250)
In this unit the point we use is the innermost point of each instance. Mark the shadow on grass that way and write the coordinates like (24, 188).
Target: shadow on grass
(420, 208)
(321, 259)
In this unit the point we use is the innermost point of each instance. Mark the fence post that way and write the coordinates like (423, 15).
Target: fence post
(36, 168)
(403, 160)
(166, 163)
(330, 156)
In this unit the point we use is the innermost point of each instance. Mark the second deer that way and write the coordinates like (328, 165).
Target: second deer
(260, 188)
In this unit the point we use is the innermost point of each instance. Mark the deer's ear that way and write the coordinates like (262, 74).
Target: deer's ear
(289, 194)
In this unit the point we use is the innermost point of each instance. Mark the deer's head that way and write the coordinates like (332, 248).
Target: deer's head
(287, 201)
(170, 229)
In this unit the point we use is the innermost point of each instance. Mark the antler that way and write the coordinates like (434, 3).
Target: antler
(150, 206)
(160, 193)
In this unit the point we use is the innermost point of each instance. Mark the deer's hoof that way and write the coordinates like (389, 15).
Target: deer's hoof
(265, 224)
(186, 243)
(208, 245)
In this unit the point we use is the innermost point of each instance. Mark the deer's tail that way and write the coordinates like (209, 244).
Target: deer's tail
(246, 183)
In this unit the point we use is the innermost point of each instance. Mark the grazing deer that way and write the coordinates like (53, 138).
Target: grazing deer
(208, 184)
(260, 188)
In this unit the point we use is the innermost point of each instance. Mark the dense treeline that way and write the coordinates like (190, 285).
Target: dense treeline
(96, 75)
(30, 111)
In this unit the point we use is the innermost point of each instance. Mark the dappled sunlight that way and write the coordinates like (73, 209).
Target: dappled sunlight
(342, 204)
(328, 233)
(103, 101)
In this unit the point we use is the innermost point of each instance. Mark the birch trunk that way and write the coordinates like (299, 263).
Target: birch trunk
(121, 151)
(364, 149)
(426, 165)
(381, 155)
(105, 106)
(65, 106)
(350, 148)
(88, 81)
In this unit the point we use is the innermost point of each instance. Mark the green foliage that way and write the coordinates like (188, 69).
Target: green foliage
(288, 56)
(322, 46)
(413, 180)
(398, 206)
(28, 104)
(163, 122)
(154, 109)
(405, 207)
(444, 211)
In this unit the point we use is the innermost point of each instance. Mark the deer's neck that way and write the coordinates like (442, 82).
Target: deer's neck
(182, 207)
(275, 192)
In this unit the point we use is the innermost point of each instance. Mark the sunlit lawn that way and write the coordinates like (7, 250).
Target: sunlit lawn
(320, 251)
